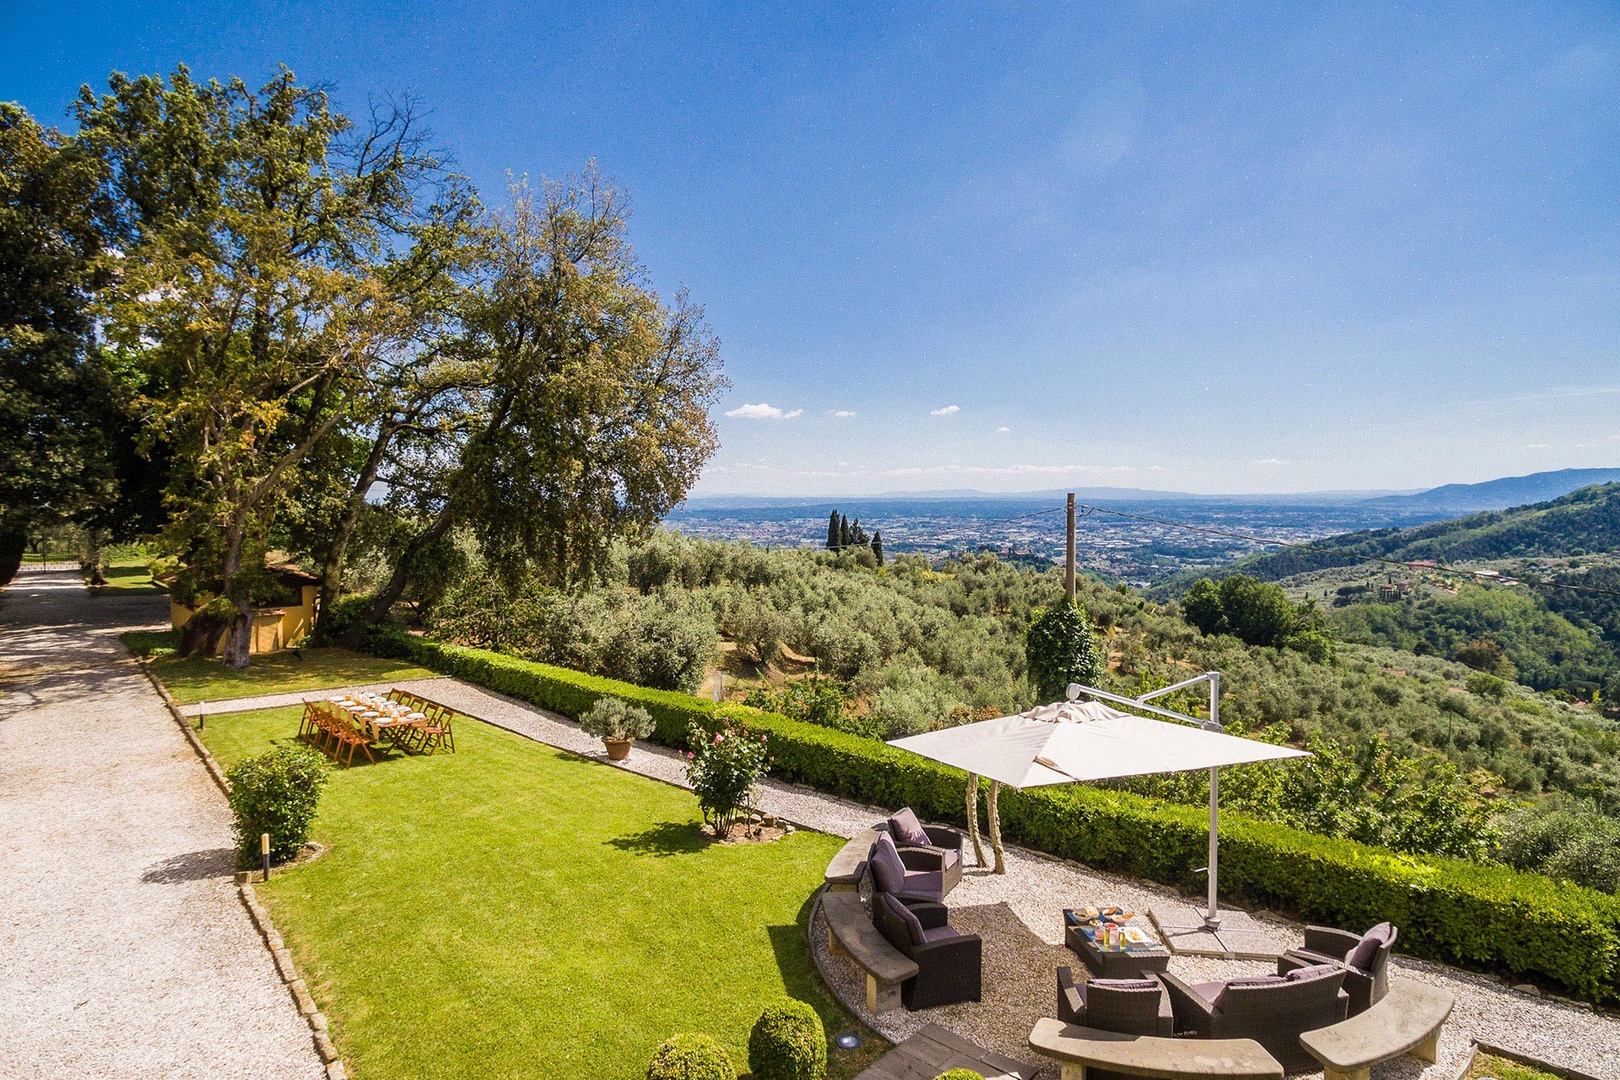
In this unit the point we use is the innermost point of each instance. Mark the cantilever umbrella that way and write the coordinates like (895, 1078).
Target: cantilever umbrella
(1074, 740)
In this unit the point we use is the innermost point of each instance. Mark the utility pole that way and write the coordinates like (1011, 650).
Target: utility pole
(1068, 560)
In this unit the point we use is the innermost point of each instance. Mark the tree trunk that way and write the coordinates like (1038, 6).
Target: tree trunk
(995, 827)
(332, 569)
(384, 600)
(973, 818)
(239, 633)
(13, 542)
(239, 637)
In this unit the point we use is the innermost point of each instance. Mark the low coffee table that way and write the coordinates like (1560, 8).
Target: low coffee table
(1116, 963)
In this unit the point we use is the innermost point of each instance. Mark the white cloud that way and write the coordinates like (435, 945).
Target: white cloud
(841, 414)
(1003, 430)
(763, 411)
(1268, 461)
(948, 410)
(1538, 446)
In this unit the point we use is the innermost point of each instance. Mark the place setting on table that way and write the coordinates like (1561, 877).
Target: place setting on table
(1113, 941)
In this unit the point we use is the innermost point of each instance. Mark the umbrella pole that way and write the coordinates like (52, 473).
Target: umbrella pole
(973, 817)
(1213, 918)
(995, 827)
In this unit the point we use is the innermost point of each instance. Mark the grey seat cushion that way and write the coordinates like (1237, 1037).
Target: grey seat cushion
(888, 872)
(1313, 972)
(1361, 957)
(1125, 984)
(907, 830)
(940, 933)
(914, 926)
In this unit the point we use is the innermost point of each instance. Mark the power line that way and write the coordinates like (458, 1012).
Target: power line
(1336, 553)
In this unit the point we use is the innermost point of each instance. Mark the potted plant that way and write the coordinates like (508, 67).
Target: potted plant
(616, 723)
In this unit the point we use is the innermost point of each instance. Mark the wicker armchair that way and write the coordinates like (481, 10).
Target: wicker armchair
(949, 963)
(912, 874)
(1364, 956)
(942, 844)
(1128, 1006)
(1273, 1010)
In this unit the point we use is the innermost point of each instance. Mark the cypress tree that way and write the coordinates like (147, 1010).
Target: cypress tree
(833, 539)
(845, 536)
(877, 546)
(860, 534)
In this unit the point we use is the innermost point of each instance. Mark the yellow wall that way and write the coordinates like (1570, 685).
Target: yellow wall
(273, 628)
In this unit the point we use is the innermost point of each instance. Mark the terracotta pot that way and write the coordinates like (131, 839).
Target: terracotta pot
(618, 749)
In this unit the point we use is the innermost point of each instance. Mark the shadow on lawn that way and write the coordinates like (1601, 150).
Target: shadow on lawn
(665, 838)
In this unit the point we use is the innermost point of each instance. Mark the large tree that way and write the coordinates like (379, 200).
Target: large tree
(268, 252)
(569, 406)
(59, 405)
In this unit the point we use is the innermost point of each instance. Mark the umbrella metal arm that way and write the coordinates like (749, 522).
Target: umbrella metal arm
(1212, 915)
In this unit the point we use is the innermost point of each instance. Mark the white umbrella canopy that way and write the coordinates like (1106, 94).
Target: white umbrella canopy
(1087, 740)
(1084, 740)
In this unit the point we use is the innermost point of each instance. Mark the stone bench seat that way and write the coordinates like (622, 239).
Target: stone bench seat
(845, 870)
(850, 933)
(1406, 1021)
(1082, 1048)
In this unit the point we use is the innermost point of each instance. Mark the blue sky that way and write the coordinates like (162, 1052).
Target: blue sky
(1192, 246)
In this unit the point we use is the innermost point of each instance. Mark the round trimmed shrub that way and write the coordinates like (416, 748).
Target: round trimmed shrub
(788, 1043)
(275, 793)
(959, 1074)
(691, 1057)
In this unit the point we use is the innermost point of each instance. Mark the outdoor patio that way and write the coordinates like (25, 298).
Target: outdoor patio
(1019, 916)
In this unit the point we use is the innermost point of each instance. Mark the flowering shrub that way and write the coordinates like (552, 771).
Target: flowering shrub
(723, 767)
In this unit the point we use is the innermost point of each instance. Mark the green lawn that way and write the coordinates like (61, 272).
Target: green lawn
(314, 669)
(513, 911)
(1499, 1068)
(128, 577)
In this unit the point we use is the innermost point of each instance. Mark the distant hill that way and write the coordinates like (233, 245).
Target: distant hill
(1582, 522)
(1500, 494)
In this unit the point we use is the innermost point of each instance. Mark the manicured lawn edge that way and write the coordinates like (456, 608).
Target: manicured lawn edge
(1485, 918)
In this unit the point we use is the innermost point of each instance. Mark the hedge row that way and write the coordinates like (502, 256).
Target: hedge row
(1490, 918)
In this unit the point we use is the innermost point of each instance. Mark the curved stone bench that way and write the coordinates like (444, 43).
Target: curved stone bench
(1082, 1048)
(850, 933)
(845, 870)
(1406, 1021)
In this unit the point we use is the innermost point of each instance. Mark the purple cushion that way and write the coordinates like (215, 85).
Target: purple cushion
(1245, 983)
(907, 916)
(1361, 957)
(888, 872)
(939, 933)
(1315, 971)
(907, 830)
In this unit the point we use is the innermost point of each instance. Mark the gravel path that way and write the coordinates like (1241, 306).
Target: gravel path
(124, 948)
(1019, 916)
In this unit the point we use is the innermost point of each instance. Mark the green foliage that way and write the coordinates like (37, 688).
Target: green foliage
(723, 766)
(1503, 631)
(814, 700)
(275, 793)
(1062, 649)
(1487, 686)
(691, 1057)
(787, 1043)
(1259, 613)
(664, 641)
(959, 1074)
(614, 718)
(1494, 918)
(1565, 839)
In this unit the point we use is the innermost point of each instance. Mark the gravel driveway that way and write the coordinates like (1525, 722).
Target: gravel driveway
(124, 950)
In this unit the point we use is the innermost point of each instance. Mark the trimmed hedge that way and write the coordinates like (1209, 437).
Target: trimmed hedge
(1490, 918)
(787, 1043)
(691, 1057)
